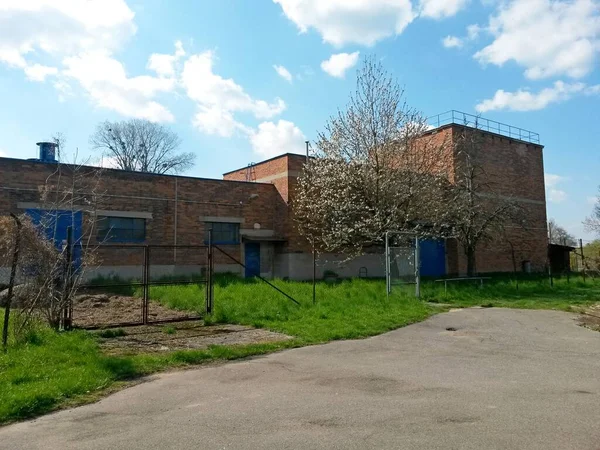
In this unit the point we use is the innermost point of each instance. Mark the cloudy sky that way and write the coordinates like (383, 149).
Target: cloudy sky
(243, 80)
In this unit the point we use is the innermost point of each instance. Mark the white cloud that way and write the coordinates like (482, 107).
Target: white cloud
(553, 193)
(337, 64)
(164, 64)
(556, 195)
(548, 38)
(592, 200)
(473, 31)
(452, 42)
(61, 27)
(552, 180)
(108, 162)
(525, 100)
(106, 81)
(439, 9)
(214, 120)
(80, 38)
(273, 139)
(593, 90)
(218, 98)
(342, 22)
(283, 73)
(39, 72)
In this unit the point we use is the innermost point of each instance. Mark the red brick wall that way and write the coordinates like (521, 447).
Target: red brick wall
(163, 196)
(282, 173)
(513, 169)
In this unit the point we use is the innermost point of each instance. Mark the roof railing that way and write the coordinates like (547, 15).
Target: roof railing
(481, 123)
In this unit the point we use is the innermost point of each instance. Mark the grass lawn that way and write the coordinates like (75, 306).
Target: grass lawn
(533, 292)
(48, 369)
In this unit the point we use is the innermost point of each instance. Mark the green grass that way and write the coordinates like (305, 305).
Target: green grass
(534, 292)
(66, 369)
(349, 309)
(47, 370)
(51, 369)
(112, 333)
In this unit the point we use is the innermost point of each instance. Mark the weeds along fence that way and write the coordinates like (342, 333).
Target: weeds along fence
(110, 285)
(118, 290)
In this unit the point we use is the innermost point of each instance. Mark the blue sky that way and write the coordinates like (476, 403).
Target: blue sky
(240, 81)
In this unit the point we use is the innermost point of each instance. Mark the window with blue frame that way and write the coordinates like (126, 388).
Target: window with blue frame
(222, 232)
(121, 229)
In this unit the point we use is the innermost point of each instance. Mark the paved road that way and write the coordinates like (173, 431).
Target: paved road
(506, 379)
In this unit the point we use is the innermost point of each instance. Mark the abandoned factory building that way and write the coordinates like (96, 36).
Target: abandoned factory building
(250, 210)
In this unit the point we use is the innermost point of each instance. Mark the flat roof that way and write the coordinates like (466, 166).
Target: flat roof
(458, 125)
(294, 155)
(459, 118)
(133, 172)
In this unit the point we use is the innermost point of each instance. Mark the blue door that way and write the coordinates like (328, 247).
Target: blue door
(433, 257)
(55, 224)
(252, 261)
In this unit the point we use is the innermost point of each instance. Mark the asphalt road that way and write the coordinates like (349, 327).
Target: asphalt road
(506, 379)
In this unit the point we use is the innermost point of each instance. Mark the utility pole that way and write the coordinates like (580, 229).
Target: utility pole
(314, 253)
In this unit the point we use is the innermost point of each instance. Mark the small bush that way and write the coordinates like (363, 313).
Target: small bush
(112, 333)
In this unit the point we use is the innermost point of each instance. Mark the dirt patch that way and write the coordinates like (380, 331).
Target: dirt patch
(185, 336)
(590, 317)
(100, 309)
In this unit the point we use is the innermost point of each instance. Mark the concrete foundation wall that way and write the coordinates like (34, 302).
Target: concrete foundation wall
(157, 271)
(299, 266)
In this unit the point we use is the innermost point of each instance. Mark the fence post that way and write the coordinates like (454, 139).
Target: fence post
(387, 264)
(417, 269)
(209, 279)
(314, 275)
(66, 282)
(582, 258)
(146, 281)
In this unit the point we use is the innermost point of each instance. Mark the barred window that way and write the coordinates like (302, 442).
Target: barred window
(121, 229)
(222, 232)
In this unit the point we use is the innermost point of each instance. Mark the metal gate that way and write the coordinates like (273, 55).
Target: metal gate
(119, 289)
(402, 260)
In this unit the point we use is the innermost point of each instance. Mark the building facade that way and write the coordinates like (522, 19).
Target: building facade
(250, 212)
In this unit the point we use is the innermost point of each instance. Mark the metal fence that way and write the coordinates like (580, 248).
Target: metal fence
(119, 289)
(480, 123)
(402, 261)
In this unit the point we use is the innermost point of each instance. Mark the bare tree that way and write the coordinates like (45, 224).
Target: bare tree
(369, 174)
(558, 235)
(48, 271)
(60, 140)
(592, 223)
(479, 213)
(141, 146)
(77, 190)
(16, 234)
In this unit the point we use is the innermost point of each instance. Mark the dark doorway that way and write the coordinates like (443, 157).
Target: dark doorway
(252, 260)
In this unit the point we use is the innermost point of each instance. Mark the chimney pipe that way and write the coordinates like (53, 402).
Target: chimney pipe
(47, 151)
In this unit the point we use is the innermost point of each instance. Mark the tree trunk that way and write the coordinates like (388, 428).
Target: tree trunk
(11, 283)
(470, 251)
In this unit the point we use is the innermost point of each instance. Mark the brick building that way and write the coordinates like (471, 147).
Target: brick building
(249, 211)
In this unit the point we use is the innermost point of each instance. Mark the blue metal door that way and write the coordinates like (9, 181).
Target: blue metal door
(54, 225)
(433, 257)
(252, 260)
